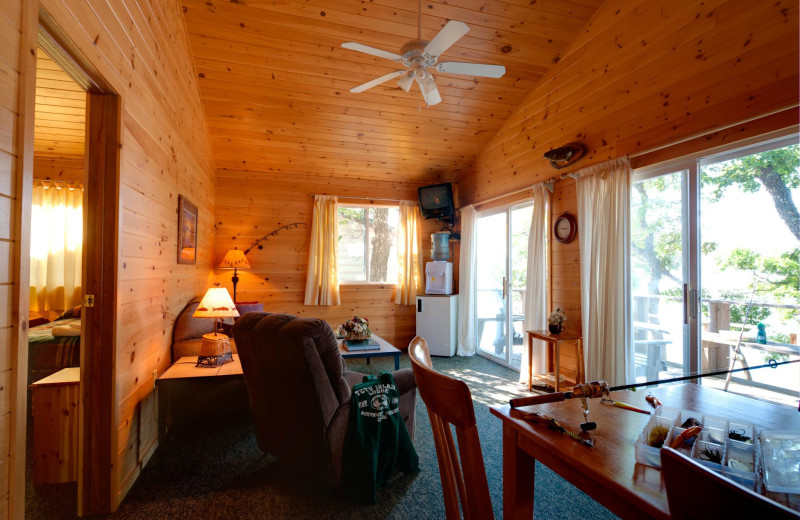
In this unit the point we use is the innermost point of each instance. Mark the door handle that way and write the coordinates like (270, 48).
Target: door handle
(504, 290)
(693, 303)
(685, 304)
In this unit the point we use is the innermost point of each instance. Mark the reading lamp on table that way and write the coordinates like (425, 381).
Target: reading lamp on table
(215, 348)
(234, 259)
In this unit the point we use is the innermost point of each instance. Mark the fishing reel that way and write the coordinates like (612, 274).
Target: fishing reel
(584, 392)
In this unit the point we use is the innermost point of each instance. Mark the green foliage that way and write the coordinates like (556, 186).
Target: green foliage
(781, 274)
(743, 171)
(757, 314)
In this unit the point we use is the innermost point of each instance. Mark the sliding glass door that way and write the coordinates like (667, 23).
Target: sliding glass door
(715, 258)
(502, 261)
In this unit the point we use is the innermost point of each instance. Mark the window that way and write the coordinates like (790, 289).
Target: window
(714, 258)
(368, 244)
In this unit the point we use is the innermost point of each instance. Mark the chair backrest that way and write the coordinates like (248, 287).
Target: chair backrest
(449, 402)
(694, 491)
(295, 377)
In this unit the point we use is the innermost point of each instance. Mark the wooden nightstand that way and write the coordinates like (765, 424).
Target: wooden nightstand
(55, 408)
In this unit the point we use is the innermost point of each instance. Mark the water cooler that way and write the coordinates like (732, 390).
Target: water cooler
(437, 315)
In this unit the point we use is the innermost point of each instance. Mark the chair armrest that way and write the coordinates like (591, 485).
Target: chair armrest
(404, 379)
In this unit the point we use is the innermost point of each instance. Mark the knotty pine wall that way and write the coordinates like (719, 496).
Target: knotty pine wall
(644, 75)
(140, 48)
(251, 204)
(10, 39)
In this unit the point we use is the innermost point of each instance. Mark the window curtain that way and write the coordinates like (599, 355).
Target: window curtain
(467, 278)
(56, 247)
(536, 281)
(409, 254)
(322, 282)
(603, 192)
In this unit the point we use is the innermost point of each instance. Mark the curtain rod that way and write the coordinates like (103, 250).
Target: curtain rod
(547, 184)
(367, 198)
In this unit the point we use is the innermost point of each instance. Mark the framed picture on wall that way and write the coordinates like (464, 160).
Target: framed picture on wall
(187, 231)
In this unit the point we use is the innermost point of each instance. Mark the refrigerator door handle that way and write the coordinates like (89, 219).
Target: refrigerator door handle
(419, 304)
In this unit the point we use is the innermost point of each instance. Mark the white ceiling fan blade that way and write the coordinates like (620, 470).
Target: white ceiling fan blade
(360, 47)
(472, 69)
(377, 81)
(449, 34)
(406, 81)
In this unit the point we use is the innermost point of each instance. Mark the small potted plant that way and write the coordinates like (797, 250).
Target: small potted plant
(355, 329)
(555, 322)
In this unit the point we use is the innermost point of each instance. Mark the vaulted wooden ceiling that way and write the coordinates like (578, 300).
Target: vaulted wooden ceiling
(275, 81)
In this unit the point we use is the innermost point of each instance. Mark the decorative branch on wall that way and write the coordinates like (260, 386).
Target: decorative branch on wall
(272, 233)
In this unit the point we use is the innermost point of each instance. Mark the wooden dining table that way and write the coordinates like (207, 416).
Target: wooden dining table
(608, 472)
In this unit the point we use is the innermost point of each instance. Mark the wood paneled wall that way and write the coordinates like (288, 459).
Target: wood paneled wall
(141, 50)
(58, 168)
(10, 173)
(251, 204)
(643, 75)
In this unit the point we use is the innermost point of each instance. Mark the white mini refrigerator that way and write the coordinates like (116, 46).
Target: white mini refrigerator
(437, 317)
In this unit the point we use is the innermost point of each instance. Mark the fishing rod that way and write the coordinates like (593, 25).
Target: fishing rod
(601, 389)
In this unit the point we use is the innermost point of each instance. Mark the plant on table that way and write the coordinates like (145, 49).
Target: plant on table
(355, 329)
(556, 320)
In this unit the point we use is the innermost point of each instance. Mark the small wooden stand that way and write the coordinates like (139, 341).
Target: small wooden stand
(215, 350)
(55, 408)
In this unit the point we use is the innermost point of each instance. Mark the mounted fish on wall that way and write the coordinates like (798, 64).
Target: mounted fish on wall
(564, 156)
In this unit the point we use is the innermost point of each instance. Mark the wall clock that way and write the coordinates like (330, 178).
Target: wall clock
(565, 228)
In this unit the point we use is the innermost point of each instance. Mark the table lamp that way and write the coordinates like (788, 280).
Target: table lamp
(234, 259)
(215, 349)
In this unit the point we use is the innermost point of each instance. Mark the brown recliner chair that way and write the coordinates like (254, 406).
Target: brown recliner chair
(300, 390)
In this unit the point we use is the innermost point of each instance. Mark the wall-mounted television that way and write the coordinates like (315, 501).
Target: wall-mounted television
(436, 201)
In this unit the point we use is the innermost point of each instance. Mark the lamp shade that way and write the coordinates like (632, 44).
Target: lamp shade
(234, 259)
(217, 303)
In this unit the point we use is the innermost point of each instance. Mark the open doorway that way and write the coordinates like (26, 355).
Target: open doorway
(56, 282)
(73, 128)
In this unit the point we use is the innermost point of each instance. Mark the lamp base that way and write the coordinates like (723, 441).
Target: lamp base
(215, 350)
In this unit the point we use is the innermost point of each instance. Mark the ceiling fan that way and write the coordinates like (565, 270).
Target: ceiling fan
(420, 59)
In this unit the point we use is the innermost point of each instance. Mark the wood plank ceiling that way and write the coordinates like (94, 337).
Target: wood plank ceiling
(59, 120)
(275, 82)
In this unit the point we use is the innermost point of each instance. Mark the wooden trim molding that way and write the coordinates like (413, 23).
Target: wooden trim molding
(98, 357)
(21, 218)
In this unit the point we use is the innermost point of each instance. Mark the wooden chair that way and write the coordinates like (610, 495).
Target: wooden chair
(694, 491)
(449, 402)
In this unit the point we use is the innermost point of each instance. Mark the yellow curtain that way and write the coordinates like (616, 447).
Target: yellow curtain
(322, 281)
(409, 257)
(56, 247)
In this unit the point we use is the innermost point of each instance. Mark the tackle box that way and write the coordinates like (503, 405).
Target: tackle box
(727, 447)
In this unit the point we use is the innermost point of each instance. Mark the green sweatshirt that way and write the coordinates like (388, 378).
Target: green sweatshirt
(377, 440)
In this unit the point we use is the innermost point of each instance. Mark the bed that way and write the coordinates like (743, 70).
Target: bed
(48, 354)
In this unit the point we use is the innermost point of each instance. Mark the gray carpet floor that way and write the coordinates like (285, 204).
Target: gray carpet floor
(218, 472)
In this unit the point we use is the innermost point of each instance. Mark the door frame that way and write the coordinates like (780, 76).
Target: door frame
(97, 443)
(507, 360)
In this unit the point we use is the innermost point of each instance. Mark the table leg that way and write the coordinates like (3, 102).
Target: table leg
(518, 477)
(556, 363)
(530, 362)
(397, 362)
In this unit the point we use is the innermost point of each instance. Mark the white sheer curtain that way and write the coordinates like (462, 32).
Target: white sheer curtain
(56, 247)
(467, 278)
(409, 257)
(322, 282)
(603, 191)
(536, 281)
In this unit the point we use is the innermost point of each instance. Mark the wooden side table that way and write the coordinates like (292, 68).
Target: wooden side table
(55, 408)
(555, 340)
